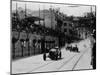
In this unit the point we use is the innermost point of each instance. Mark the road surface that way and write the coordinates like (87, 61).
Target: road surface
(69, 61)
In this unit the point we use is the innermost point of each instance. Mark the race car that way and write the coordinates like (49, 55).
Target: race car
(72, 47)
(53, 54)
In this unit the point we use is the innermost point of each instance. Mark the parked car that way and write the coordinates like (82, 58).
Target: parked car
(54, 54)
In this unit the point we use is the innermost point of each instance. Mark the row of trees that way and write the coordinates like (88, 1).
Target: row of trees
(27, 24)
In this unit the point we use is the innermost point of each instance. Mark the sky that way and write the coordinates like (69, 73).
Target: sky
(70, 10)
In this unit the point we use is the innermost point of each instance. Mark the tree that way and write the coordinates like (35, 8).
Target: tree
(15, 27)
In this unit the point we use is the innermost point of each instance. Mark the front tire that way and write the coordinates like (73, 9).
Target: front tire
(60, 55)
(56, 57)
(44, 57)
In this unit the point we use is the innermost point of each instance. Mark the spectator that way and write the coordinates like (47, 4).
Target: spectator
(94, 56)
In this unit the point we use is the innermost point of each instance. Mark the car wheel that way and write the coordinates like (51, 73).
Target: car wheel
(44, 57)
(60, 55)
(77, 50)
(56, 57)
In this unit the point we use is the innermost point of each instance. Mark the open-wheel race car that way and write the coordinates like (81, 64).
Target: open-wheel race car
(54, 54)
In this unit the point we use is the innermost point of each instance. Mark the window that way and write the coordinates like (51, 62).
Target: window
(65, 30)
(70, 24)
(65, 24)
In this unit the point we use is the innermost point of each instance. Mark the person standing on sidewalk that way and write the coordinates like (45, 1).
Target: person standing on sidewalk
(94, 56)
(93, 61)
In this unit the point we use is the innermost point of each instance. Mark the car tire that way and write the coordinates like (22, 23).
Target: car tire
(44, 57)
(60, 55)
(56, 57)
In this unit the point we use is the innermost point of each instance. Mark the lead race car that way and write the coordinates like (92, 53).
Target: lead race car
(53, 54)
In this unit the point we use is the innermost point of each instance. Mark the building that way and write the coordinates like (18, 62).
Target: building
(67, 27)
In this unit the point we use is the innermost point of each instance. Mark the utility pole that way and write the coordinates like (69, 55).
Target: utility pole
(43, 39)
(51, 16)
(27, 30)
(91, 9)
(16, 11)
(39, 14)
(25, 11)
(39, 23)
(44, 23)
(44, 15)
(91, 12)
